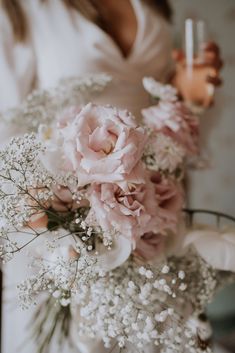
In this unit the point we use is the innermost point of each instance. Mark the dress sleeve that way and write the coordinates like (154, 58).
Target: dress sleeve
(17, 66)
(17, 73)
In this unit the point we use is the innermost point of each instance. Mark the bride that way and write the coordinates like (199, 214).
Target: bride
(42, 41)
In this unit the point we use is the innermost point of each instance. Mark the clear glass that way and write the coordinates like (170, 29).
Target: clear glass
(195, 37)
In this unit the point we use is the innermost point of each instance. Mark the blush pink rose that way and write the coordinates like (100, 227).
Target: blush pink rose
(170, 198)
(131, 212)
(150, 245)
(175, 120)
(63, 201)
(102, 144)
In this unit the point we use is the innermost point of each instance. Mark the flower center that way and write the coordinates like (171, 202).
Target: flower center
(102, 140)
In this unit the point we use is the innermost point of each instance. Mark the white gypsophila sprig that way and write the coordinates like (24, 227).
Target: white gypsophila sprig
(205, 280)
(163, 92)
(163, 154)
(25, 188)
(105, 237)
(42, 106)
(60, 273)
(131, 304)
(20, 173)
(147, 305)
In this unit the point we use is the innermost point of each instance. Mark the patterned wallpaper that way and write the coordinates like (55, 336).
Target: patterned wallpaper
(215, 187)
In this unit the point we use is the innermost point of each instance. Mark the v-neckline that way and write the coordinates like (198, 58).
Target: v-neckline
(115, 44)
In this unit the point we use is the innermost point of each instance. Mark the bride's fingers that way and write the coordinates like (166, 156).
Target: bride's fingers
(211, 46)
(212, 59)
(216, 63)
(215, 80)
(212, 56)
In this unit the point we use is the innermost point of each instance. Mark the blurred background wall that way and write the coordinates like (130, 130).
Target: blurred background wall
(214, 187)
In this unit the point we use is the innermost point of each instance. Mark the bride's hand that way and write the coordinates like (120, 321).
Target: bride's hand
(197, 85)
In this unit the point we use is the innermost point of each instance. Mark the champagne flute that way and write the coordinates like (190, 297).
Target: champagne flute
(196, 70)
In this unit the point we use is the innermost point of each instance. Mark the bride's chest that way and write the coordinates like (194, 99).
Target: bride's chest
(72, 46)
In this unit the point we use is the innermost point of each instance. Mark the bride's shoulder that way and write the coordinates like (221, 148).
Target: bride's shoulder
(44, 11)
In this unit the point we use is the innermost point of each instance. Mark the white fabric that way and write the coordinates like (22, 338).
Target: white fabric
(63, 43)
(17, 66)
(215, 246)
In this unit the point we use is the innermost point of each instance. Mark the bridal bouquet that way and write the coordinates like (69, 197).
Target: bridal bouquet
(98, 200)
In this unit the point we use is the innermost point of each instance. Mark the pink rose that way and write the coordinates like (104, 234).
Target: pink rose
(63, 201)
(102, 144)
(175, 120)
(150, 245)
(131, 213)
(156, 246)
(170, 198)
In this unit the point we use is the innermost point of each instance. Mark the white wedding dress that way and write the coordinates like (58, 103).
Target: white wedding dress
(63, 43)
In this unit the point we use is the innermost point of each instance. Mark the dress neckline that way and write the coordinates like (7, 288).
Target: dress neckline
(111, 40)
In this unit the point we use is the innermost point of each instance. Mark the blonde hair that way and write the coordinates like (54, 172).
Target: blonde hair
(19, 22)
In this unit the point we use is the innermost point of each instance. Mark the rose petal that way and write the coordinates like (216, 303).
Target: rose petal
(119, 253)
